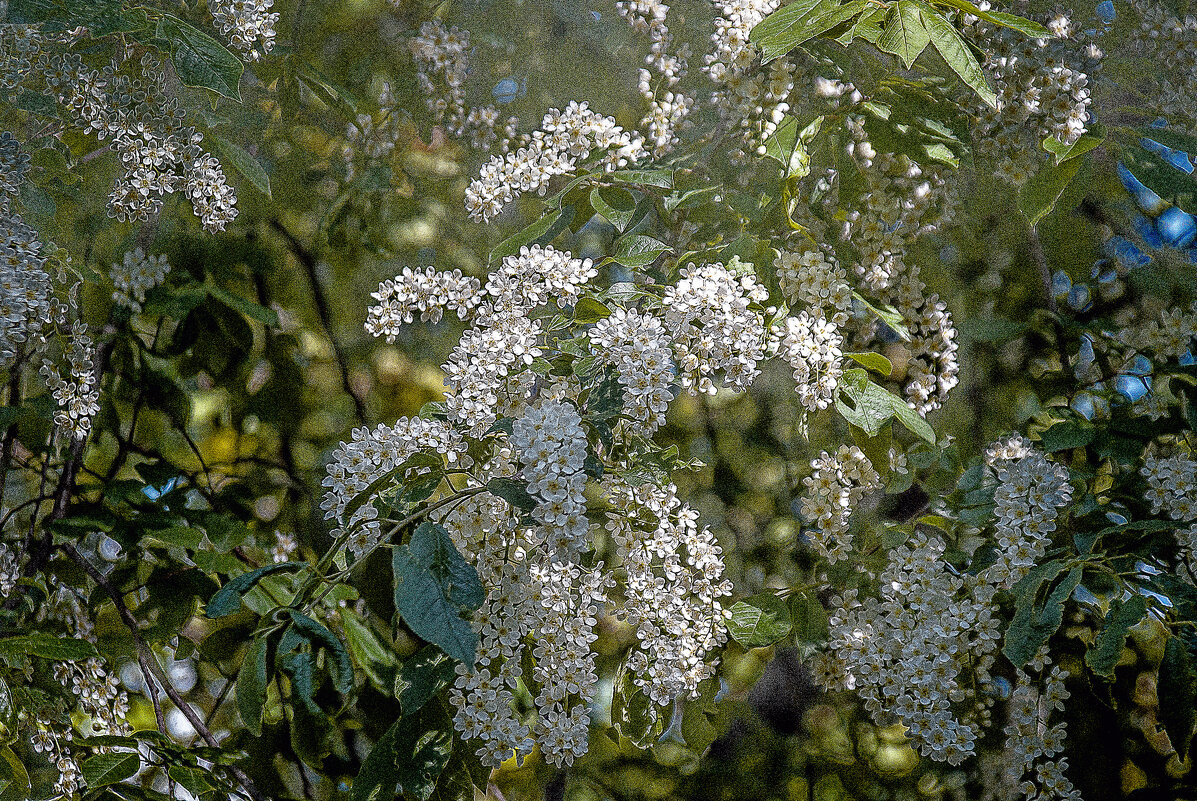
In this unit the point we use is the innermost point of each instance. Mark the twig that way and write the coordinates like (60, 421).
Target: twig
(150, 666)
(1035, 245)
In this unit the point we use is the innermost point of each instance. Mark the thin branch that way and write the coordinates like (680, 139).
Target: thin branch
(308, 260)
(149, 664)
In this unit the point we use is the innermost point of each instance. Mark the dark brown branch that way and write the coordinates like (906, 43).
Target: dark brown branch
(308, 260)
(150, 666)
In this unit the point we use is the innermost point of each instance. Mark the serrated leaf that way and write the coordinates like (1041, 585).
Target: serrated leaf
(1177, 690)
(247, 165)
(200, 60)
(638, 250)
(588, 310)
(800, 22)
(47, 646)
(513, 491)
(1089, 140)
(318, 635)
(434, 586)
(1033, 624)
(1038, 196)
(759, 621)
(1066, 435)
(252, 680)
(615, 204)
(110, 768)
(1012, 21)
(1107, 647)
(873, 361)
(421, 676)
(228, 599)
(955, 51)
(905, 35)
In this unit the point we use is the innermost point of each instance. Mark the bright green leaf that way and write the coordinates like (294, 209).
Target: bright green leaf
(109, 768)
(245, 164)
(955, 51)
(904, 34)
(228, 599)
(760, 620)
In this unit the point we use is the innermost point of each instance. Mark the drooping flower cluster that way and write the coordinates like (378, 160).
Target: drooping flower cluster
(135, 276)
(1043, 90)
(836, 486)
(10, 570)
(551, 445)
(1172, 490)
(817, 281)
(247, 24)
(753, 100)
(1030, 493)
(128, 104)
(442, 56)
(674, 586)
(713, 329)
(668, 106)
(636, 345)
(429, 292)
(916, 652)
(563, 139)
(812, 346)
(77, 394)
(371, 454)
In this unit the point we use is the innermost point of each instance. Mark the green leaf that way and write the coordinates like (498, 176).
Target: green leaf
(660, 178)
(412, 753)
(421, 676)
(615, 204)
(955, 51)
(252, 680)
(1038, 196)
(47, 646)
(1177, 690)
(759, 621)
(245, 164)
(1068, 434)
(793, 24)
(100, 17)
(1093, 138)
(886, 314)
(317, 634)
(872, 405)
(873, 361)
(1033, 624)
(904, 35)
(536, 232)
(228, 599)
(1020, 24)
(638, 250)
(14, 779)
(588, 310)
(434, 586)
(633, 713)
(110, 768)
(512, 491)
(247, 307)
(200, 60)
(1107, 647)
(368, 650)
(193, 780)
(867, 27)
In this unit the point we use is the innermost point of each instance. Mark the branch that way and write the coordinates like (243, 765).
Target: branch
(308, 260)
(150, 666)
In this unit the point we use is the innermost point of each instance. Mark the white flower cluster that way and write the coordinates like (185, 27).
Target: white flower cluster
(933, 370)
(26, 291)
(817, 281)
(442, 58)
(551, 445)
(1172, 489)
(135, 276)
(564, 137)
(668, 107)
(1030, 493)
(247, 24)
(370, 455)
(674, 586)
(1169, 336)
(285, 547)
(1166, 39)
(1028, 766)
(78, 396)
(707, 311)
(636, 345)
(428, 292)
(753, 100)
(812, 346)
(836, 486)
(1043, 90)
(917, 651)
(10, 570)
(128, 103)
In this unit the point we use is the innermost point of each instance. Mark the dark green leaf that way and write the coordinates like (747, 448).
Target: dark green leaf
(250, 309)
(759, 621)
(1068, 434)
(245, 164)
(588, 310)
(1107, 648)
(904, 35)
(200, 60)
(421, 676)
(533, 233)
(228, 599)
(660, 178)
(252, 680)
(1034, 623)
(512, 491)
(638, 250)
(319, 635)
(1177, 690)
(434, 586)
(47, 646)
(615, 204)
(103, 769)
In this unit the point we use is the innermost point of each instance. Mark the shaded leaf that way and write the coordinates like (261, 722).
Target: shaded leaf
(109, 768)
(1178, 694)
(904, 34)
(955, 51)
(200, 60)
(512, 491)
(1038, 196)
(244, 163)
(228, 599)
(1107, 647)
(252, 680)
(434, 586)
(47, 646)
(421, 676)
